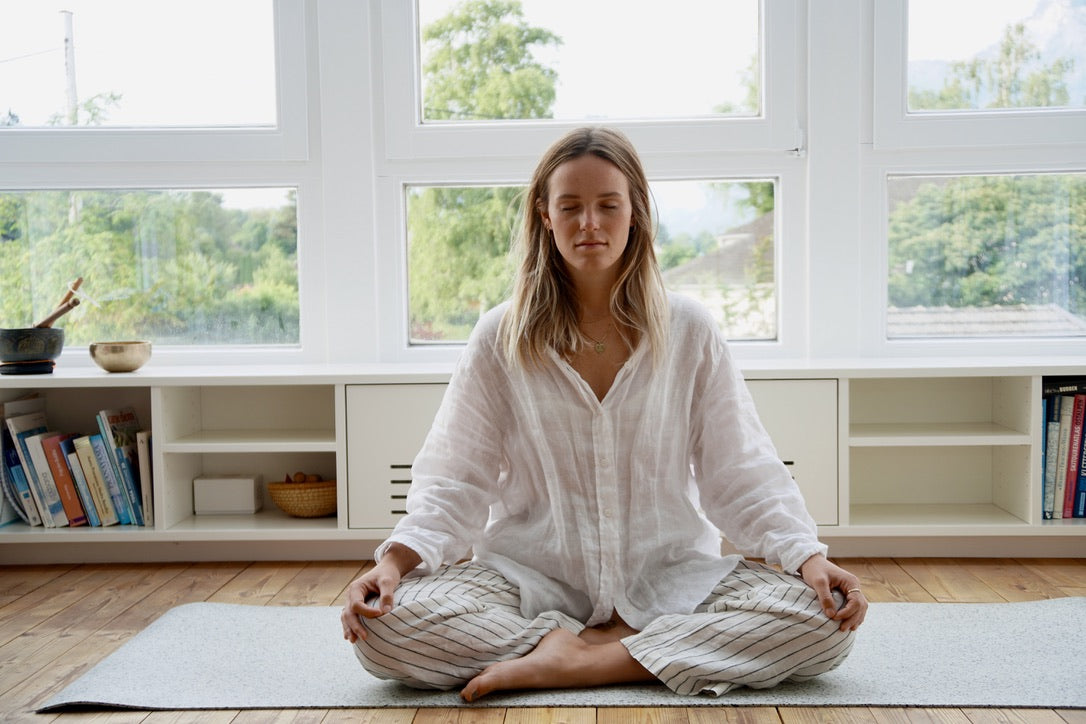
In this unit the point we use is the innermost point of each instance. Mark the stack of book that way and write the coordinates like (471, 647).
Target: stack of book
(54, 478)
(1064, 451)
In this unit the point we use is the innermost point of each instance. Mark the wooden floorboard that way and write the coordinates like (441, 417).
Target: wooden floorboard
(58, 621)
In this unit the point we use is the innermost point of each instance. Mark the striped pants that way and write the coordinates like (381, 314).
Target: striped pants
(757, 628)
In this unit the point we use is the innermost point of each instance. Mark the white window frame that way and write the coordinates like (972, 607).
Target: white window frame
(875, 214)
(411, 153)
(896, 128)
(406, 137)
(287, 140)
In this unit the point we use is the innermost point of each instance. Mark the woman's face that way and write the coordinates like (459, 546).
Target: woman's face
(590, 213)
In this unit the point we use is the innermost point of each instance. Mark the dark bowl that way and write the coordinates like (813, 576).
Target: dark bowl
(31, 344)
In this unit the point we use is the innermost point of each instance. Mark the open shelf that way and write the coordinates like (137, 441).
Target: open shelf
(243, 441)
(933, 515)
(908, 434)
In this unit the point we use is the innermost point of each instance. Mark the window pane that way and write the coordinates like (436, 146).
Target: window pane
(987, 256)
(715, 243)
(996, 54)
(177, 267)
(484, 60)
(137, 63)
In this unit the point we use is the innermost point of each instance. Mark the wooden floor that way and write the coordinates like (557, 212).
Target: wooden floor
(57, 621)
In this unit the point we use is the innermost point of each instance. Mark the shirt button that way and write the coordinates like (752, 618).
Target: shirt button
(607, 513)
(605, 463)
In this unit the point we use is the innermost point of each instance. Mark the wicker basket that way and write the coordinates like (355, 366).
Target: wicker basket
(305, 500)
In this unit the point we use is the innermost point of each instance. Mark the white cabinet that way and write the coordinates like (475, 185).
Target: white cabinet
(386, 426)
(801, 418)
(893, 461)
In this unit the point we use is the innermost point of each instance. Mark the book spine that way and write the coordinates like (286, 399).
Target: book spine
(62, 477)
(18, 478)
(1052, 436)
(32, 475)
(83, 488)
(99, 447)
(129, 486)
(1073, 453)
(143, 451)
(1067, 406)
(107, 514)
(47, 487)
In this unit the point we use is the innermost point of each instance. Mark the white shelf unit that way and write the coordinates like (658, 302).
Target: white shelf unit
(901, 460)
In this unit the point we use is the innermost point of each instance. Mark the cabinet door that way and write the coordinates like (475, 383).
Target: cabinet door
(801, 418)
(386, 426)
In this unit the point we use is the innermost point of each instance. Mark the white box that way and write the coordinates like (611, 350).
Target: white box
(227, 494)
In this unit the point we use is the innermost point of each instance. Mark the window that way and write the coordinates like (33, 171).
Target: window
(122, 80)
(78, 64)
(715, 242)
(202, 267)
(475, 91)
(974, 73)
(987, 256)
(554, 47)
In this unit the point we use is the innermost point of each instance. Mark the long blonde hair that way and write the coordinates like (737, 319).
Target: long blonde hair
(543, 312)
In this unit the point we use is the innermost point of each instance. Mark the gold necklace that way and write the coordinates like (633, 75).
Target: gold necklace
(597, 344)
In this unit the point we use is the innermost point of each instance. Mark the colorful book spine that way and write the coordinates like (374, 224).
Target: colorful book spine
(118, 428)
(19, 480)
(47, 487)
(113, 485)
(1074, 452)
(67, 447)
(20, 428)
(143, 452)
(62, 478)
(1067, 408)
(107, 514)
(1052, 443)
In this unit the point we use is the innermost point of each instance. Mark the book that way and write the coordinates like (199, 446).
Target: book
(109, 475)
(1052, 443)
(67, 447)
(143, 451)
(1067, 409)
(22, 427)
(23, 504)
(1074, 451)
(46, 485)
(118, 428)
(62, 478)
(1080, 486)
(103, 503)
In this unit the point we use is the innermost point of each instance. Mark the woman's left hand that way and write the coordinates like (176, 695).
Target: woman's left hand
(824, 576)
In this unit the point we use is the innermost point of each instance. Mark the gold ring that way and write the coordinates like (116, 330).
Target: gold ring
(853, 590)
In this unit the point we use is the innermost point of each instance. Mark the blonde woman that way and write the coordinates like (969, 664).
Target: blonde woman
(594, 443)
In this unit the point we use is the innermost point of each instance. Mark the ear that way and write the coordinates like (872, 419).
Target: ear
(541, 208)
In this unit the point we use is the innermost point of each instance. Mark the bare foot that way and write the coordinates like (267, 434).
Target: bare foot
(561, 659)
(607, 632)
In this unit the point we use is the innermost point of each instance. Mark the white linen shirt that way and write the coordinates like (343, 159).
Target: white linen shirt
(593, 506)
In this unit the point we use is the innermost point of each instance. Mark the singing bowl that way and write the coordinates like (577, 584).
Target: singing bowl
(120, 356)
(31, 344)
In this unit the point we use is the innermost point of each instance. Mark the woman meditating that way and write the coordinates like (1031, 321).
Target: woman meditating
(594, 442)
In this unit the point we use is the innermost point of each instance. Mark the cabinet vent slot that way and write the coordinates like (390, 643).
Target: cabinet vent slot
(398, 492)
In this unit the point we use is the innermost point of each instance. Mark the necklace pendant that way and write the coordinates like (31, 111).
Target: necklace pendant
(599, 347)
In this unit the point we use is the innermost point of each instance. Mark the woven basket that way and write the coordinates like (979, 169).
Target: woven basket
(305, 500)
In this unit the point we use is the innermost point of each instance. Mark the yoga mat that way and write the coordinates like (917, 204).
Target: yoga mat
(227, 656)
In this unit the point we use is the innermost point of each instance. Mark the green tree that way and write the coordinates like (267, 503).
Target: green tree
(479, 65)
(991, 240)
(1013, 78)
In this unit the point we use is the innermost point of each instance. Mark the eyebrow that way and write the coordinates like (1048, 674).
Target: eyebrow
(608, 194)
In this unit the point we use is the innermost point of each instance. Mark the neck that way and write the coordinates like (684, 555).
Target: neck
(594, 304)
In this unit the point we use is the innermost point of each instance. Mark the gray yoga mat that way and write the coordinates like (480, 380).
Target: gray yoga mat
(227, 656)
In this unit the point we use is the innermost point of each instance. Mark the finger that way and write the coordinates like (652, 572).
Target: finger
(353, 630)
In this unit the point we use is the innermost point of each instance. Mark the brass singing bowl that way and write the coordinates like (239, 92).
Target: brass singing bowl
(120, 356)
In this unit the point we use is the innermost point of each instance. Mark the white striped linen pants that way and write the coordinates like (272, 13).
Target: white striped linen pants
(757, 628)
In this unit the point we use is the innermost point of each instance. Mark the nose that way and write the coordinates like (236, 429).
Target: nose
(588, 221)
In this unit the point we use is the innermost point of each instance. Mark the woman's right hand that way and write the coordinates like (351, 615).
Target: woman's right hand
(370, 595)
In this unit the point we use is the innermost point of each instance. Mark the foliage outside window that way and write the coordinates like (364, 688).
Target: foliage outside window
(987, 256)
(177, 267)
(715, 242)
(1010, 55)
